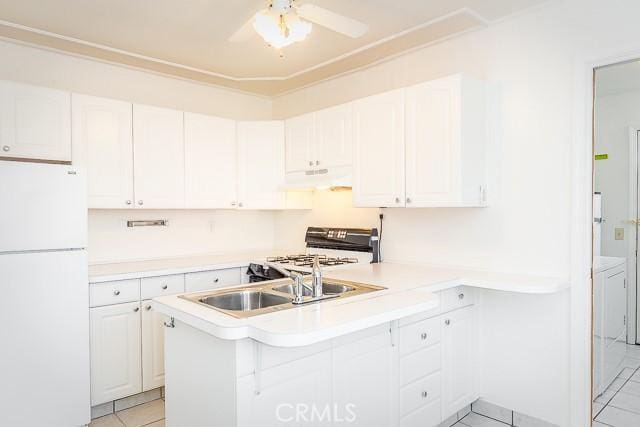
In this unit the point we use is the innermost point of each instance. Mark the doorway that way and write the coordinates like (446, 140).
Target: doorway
(616, 219)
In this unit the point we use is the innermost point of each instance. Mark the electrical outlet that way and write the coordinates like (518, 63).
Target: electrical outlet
(619, 233)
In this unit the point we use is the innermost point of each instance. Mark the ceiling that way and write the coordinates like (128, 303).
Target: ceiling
(188, 38)
(618, 78)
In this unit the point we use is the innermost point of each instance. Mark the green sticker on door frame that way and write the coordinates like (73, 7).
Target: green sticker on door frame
(602, 156)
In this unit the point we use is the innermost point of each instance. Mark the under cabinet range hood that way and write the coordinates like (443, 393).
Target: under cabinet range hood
(318, 179)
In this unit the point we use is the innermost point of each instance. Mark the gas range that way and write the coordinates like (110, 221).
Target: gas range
(334, 247)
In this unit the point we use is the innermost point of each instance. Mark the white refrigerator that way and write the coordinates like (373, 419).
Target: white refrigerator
(44, 296)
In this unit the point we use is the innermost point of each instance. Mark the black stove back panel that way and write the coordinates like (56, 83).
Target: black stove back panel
(346, 239)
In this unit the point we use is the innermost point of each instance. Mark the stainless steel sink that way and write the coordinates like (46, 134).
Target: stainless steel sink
(244, 300)
(271, 296)
(328, 288)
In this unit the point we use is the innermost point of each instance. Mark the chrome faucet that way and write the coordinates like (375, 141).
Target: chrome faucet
(298, 282)
(316, 275)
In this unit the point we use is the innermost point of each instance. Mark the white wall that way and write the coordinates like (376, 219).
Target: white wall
(613, 116)
(190, 232)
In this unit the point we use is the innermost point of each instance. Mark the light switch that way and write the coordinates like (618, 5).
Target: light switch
(619, 233)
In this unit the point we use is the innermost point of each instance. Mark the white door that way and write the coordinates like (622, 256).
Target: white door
(457, 361)
(432, 143)
(300, 144)
(44, 358)
(35, 123)
(115, 352)
(210, 162)
(363, 373)
(261, 165)
(378, 138)
(102, 132)
(271, 396)
(158, 147)
(334, 135)
(152, 347)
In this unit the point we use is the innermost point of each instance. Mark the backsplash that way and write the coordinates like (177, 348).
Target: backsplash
(189, 232)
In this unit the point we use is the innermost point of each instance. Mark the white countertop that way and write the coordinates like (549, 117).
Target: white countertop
(602, 263)
(410, 290)
(161, 267)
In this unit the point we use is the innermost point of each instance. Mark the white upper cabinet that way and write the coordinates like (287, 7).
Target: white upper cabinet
(102, 134)
(445, 143)
(378, 138)
(35, 123)
(333, 137)
(300, 144)
(158, 147)
(261, 165)
(210, 162)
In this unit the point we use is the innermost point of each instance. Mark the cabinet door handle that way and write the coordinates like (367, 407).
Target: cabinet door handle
(310, 162)
(140, 202)
(408, 199)
(447, 322)
(6, 148)
(136, 309)
(171, 324)
(128, 202)
(317, 162)
(116, 292)
(397, 199)
(425, 394)
(164, 286)
(216, 280)
(423, 336)
(148, 307)
(460, 296)
(233, 203)
(240, 204)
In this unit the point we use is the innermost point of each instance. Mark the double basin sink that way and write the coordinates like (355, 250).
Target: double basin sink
(272, 296)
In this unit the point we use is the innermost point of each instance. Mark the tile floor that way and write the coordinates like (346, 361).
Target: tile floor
(150, 414)
(619, 405)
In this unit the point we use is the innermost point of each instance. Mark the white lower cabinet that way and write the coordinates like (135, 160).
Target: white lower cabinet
(296, 392)
(412, 373)
(363, 380)
(115, 352)
(457, 360)
(152, 347)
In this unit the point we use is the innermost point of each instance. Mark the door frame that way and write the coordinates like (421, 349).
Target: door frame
(632, 244)
(581, 329)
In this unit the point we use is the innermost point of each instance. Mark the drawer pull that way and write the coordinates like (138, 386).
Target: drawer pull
(148, 307)
(447, 322)
(164, 286)
(461, 296)
(216, 280)
(136, 309)
(423, 336)
(425, 394)
(116, 292)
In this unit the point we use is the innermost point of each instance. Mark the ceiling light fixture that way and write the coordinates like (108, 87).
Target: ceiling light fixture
(280, 25)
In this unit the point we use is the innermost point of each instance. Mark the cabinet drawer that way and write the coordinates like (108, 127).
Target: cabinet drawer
(455, 298)
(427, 416)
(419, 393)
(205, 280)
(419, 364)
(108, 293)
(419, 335)
(152, 287)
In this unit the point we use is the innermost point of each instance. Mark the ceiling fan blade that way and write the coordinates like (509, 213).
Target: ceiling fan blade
(243, 33)
(333, 21)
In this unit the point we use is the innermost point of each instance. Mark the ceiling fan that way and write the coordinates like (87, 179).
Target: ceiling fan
(285, 22)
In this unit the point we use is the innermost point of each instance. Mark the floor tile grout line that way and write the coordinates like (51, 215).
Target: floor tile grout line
(614, 395)
(624, 409)
(491, 418)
